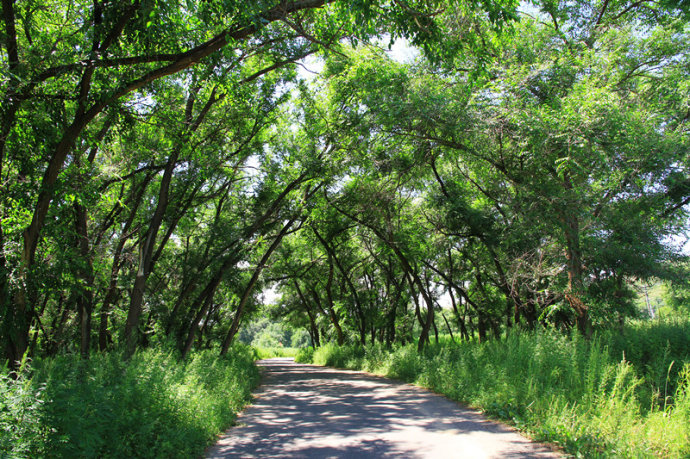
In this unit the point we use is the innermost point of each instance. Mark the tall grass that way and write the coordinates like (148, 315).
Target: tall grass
(656, 349)
(269, 352)
(568, 391)
(152, 406)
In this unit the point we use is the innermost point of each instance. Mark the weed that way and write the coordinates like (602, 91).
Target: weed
(154, 405)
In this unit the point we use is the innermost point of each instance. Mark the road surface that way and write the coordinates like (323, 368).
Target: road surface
(307, 411)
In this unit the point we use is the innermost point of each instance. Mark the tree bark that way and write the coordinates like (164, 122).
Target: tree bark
(234, 327)
(312, 320)
(147, 258)
(448, 326)
(575, 290)
(330, 313)
(85, 295)
(355, 296)
(18, 311)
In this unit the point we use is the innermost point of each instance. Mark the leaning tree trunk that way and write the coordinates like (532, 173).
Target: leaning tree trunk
(350, 285)
(234, 327)
(314, 329)
(331, 309)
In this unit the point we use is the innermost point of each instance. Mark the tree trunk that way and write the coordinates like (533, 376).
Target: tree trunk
(111, 294)
(207, 301)
(234, 327)
(448, 326)
(392, 315)
(415, 280)
(575, 288)
(435, 331)
(204, 299)
(331, 309)
(147, 257)
(481, 328)
(312, 321)
(186, 290)
(358, 305)
(85, 295)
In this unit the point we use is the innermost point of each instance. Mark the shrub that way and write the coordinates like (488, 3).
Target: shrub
(332, 355)
(305, 355)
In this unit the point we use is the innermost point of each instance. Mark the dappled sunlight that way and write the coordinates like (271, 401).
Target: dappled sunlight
(311, 411)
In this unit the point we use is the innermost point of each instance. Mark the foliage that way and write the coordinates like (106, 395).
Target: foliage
(305, 355)
(657, 351)
(22, 433)
(579, 395)
(151, 149)
(676, 296)
(270, 352)
(539, 192)
(161, 166)
(330, 354)
(262, 332)
(152, 406)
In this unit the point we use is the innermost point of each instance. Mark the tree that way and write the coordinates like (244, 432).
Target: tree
(117, 56)
(554, 176)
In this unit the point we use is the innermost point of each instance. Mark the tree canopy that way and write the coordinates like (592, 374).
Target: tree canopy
(164, 162)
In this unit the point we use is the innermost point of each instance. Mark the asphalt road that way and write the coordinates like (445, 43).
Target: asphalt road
(307, 411)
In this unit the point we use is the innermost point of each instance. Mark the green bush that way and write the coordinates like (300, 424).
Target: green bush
(579, 394)
(300, 338)
(151, 406)
(305, 355)
(332, 355)
(273, 336)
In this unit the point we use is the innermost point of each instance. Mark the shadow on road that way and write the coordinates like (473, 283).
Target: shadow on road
(316, 412)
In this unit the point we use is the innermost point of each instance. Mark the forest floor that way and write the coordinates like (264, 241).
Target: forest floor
(310, 411)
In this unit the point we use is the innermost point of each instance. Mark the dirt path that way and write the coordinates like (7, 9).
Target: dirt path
(308, 411)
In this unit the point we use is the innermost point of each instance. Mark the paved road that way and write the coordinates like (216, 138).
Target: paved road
(306, 411)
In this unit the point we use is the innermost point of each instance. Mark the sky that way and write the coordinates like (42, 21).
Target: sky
(401, 51)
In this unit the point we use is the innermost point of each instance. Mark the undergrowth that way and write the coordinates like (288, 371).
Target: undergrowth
(151, 406)
(581, 395)
(269, 352)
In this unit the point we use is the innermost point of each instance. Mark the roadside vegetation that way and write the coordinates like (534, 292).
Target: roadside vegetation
(271, 338)
(153, 405)
(619, 395)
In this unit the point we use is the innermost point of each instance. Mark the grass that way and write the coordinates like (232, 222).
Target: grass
(580, 395)
(152, 406)
(269, 352)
